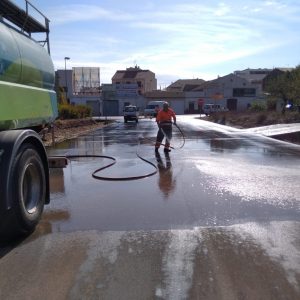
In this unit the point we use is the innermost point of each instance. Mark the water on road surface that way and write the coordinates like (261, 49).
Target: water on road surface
(219, 220)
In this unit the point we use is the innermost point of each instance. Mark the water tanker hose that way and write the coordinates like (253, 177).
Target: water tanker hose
(70, 157)
(126, 178)
(169, 140)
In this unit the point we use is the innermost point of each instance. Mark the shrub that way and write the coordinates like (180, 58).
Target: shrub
(258, 106)
(83, 111)
(67, 111)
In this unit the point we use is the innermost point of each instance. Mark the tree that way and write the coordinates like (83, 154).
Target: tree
(284, 85)
(296, 85)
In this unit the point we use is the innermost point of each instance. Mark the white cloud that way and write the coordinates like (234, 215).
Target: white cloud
(183, 40)
(274, 4)
(81, 12)
(222, 10)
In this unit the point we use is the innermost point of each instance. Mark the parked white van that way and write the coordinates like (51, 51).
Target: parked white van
(152, 108)
(212, 108)
(131, 113)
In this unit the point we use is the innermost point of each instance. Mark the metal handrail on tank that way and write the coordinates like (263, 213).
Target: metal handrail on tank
(23, 20)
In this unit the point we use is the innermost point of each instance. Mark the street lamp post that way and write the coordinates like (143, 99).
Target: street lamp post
(66, 84)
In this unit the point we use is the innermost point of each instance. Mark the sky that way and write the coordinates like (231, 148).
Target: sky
(172, 38)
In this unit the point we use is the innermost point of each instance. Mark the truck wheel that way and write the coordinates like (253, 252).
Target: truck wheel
(28, 188)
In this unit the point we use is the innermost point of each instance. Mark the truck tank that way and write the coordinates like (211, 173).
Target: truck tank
(27, 101)
(27, 81)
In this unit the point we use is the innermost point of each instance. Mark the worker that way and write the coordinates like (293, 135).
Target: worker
(164, 122)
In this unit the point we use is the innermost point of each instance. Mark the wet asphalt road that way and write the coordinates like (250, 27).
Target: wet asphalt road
(219, 220)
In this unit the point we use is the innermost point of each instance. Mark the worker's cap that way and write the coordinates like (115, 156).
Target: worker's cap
(166, 104)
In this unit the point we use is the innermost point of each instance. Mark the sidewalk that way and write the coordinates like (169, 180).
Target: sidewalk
(274, 130)
(284, 132)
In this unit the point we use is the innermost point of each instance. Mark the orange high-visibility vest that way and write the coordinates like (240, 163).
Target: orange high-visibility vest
(165, 116)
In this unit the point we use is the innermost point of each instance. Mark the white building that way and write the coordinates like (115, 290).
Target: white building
(115, 96)
(231, 91)
(135, 86)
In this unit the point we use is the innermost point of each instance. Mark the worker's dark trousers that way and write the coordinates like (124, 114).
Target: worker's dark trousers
(165, 131)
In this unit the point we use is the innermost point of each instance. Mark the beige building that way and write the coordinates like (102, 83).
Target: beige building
(176, 99)
(145, 79)
(185, 85)
(189, 95)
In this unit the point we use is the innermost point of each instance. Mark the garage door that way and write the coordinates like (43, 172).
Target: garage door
(95, 106)
(177, 106)
(110, 108)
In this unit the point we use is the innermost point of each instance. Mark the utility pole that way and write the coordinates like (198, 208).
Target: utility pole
(66, 84)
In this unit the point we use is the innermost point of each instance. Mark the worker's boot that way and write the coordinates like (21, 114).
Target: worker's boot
(167, 147)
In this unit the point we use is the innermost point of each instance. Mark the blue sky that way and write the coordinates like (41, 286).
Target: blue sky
(174, 39)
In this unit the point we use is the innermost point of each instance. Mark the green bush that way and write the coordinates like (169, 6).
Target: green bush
(67, 111)
(83, 111)
(258, 106)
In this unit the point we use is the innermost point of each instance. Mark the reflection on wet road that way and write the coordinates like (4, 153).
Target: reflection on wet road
(219, 220)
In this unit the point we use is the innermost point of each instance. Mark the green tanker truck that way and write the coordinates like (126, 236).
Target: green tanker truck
(27, 103)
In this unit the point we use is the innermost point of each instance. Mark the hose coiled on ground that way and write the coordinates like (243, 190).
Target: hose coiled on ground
(127, 178)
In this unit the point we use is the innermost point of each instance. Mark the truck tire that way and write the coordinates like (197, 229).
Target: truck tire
(28, 191)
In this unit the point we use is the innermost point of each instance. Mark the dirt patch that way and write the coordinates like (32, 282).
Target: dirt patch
(254, 119)
(68, 129)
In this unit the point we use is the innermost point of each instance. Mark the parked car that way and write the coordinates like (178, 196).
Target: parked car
(153, 107)
(212, 108)
(131, 113)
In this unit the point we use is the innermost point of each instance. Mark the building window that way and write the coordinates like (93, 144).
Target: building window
(240, 92)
